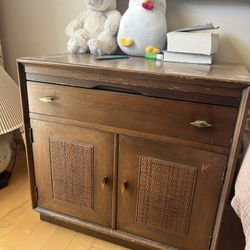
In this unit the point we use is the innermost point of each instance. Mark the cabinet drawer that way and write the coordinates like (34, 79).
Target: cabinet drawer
(137, 113)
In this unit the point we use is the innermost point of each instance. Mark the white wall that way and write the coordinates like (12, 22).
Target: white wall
(32, 27)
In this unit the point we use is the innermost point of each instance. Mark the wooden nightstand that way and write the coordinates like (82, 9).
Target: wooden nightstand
(135, 151)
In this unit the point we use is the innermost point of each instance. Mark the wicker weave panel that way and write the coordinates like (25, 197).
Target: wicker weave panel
(72, 171)
(165, 193)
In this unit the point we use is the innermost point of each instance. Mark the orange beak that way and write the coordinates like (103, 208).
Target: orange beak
(148, 4)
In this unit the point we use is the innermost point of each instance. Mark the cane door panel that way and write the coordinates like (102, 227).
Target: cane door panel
(73, 170)
(168, 193)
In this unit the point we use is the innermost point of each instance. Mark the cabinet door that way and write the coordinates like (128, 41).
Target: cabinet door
(73, 170)
(168, 193)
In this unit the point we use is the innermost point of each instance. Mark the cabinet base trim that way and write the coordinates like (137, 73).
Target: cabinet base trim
(114, 236)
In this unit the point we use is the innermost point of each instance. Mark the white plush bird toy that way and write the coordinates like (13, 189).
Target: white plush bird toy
(95, 28)
(143, 27)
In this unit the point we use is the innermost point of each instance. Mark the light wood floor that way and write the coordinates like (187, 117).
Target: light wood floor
(21, 228)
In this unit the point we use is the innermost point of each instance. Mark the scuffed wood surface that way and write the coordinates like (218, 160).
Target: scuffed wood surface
(219, 72)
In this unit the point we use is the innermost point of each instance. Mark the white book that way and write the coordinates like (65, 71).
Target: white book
(205, 43)
(187, 58)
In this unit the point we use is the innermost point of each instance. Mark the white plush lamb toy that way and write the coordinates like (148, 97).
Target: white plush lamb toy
(94, 29)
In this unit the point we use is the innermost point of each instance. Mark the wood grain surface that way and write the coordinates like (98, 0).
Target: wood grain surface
(152, 103)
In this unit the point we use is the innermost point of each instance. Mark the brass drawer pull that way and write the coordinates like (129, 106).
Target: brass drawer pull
(46, 99)
(124, 187)
(105, 180)
(201, 124)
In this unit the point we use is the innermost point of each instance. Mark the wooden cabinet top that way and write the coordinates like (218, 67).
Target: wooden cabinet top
(220, 84)
(230, 73)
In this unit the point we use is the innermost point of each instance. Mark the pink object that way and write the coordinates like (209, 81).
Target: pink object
(241, 200)
(148, 5)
